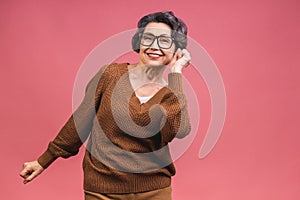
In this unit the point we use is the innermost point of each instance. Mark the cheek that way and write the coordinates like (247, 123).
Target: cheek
(141, 53)
(170, 52)
(143, 48)
(169, 58)
(169, 55)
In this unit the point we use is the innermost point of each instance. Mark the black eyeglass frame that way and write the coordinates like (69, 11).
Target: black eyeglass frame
(156, 38)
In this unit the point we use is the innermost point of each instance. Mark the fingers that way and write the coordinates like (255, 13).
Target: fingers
(31, 176)
(179, 53)
(181, 59)
(25, 172)
(184, 57)
(184, 54)
(30, 171)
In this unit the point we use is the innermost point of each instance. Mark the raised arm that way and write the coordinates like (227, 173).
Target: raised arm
(177, 122)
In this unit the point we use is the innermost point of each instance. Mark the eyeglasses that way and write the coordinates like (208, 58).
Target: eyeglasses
(164, 42)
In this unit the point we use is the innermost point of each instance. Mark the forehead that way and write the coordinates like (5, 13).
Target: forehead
(158, 28)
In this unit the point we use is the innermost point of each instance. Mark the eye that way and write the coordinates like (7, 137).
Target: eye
(147, 37)
(165, 40)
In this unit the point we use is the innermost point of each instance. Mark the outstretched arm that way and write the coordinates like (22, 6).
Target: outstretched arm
(73, 133)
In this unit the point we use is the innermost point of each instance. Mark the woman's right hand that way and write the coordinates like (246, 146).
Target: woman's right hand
(181, 59)
(30, 171)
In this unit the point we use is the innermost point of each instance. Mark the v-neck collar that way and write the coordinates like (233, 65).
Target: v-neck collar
(153, 100)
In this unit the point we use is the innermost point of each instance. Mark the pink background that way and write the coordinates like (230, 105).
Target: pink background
(255, 45)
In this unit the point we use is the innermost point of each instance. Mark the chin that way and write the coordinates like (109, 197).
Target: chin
(154, 62)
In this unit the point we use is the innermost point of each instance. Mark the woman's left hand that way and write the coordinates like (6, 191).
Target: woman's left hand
(180, 60)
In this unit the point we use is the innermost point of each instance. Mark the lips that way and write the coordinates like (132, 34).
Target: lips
(154, 55)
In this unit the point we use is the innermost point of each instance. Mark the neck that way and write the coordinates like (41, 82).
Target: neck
(149, 72)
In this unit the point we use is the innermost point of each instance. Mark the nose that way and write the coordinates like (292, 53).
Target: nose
(155, 44)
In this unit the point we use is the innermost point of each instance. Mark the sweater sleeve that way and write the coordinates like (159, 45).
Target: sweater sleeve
(78, 126)
(177, 122)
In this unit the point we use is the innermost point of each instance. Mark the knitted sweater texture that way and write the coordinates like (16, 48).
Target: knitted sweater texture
(127, 149)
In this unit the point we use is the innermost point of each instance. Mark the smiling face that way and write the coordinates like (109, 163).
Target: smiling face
(155, 55)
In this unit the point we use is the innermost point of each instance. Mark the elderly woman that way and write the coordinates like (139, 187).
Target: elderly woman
(130, 114)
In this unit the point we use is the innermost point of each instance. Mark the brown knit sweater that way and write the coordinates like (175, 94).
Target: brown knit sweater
(127, 149)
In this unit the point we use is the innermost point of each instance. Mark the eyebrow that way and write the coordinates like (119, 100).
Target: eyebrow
(148, 33)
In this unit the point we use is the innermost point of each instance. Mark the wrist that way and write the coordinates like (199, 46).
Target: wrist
(175, 69)
(175, 82)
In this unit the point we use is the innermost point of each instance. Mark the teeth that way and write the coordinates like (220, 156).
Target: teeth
(154, 55)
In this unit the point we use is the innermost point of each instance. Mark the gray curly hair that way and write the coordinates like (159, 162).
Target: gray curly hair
(179, 28)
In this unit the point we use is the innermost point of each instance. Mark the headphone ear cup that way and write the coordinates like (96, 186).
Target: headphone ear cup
(135, 42)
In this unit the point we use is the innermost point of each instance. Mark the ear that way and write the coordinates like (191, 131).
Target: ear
(135, 42)
(174, 58)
